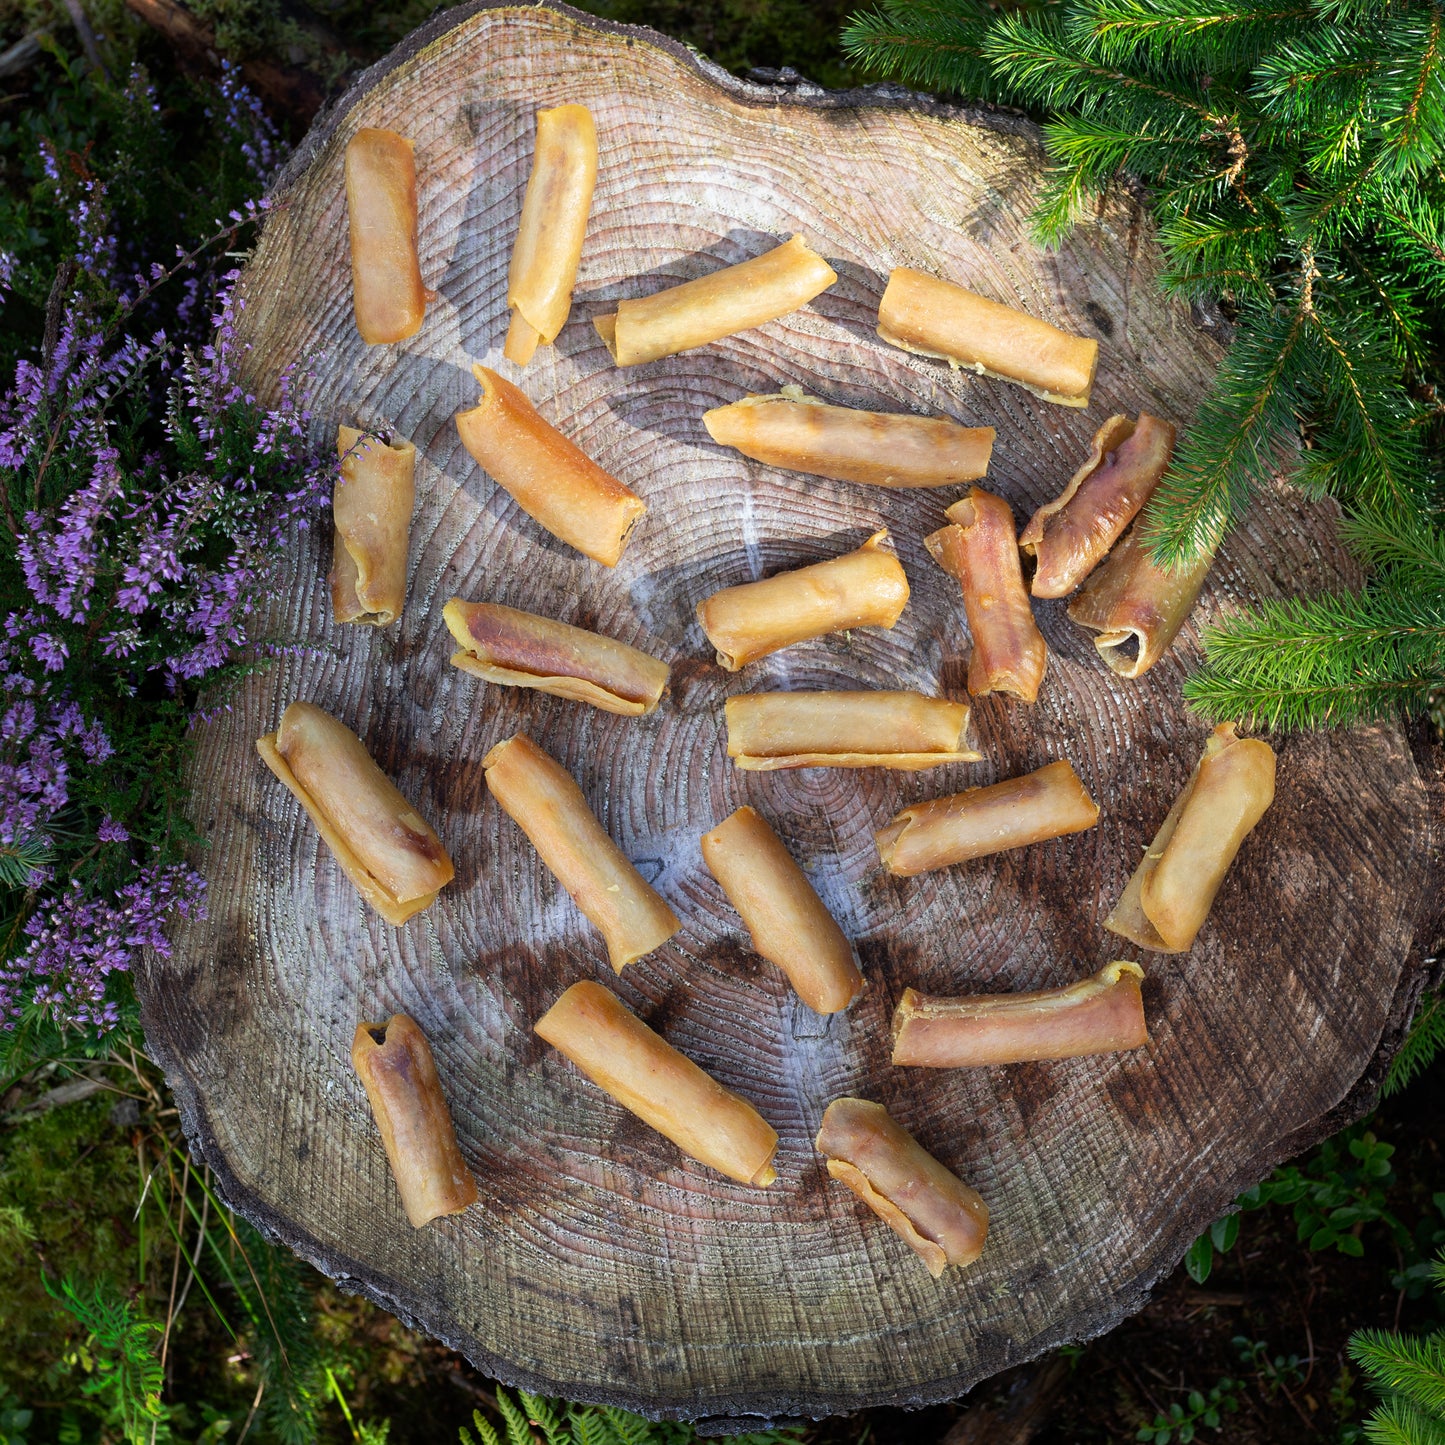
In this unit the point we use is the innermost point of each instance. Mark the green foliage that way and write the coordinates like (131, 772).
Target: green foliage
(1274, 1372)
(1422, 1046)
(14, 1420)
(531, 1420)
(1410, 1373)
(1182, 1422)
(1293, 150)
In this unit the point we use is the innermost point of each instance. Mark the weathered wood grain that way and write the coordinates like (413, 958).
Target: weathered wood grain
(599, 1264)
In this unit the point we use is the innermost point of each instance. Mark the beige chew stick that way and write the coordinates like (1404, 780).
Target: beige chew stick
(395, 1065)
(388, 295)
(666, 1090)
(787, 920)
(382, 843)
(371, 515)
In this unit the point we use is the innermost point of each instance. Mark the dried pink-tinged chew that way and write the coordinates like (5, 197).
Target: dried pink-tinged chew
(382, 843)
(371, 511)
(1069, 536)
(922, 314)
(1137, 608)
(386, 283)
(553, 481)
(788, 922)
(863, 588)
(940, 1218)
(395, 1065)
(734, 299)
(1172, 890)
(519, 649)
(980, 549)
(1100, 1015)
(979, 821)
(905, 730)
(666, 1090)
(554, 221)
(884, 449)
(544, 801)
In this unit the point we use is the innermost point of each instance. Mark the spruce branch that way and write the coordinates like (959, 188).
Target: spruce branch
(936, 45)
(1183, 34)
(1409, 1367)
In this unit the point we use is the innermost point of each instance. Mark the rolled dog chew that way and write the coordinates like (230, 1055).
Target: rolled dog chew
(544, 801)
(554, 222)
(1069, 536)
(734, 299)
(1100, 1015)
(387, 290)
(904, 730)
(520, 649)
(884, 449)
(371, 514)
(395, 1065)
(667, 1091)
(979, 821)
(382, 843)
(787, 920)
(1136, 607)
(940, 1218)
(863, 588)
(553, 481)
(980, 549)
(922, 314)
(1172, 890)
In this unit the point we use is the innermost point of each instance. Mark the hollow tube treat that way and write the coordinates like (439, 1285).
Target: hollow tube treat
(1069, 536)
(979, 821)
(1099, 1015)
(734, 299)
(395, 1065)
(787, 920)
(863, 588)
(666, 1090)
(938, 1216)
(387, 290)
(553, 481)
(884, 449)
(904, 730)
(930, 317)
(1136, 607)
(554, 222)
(382, 843)
(371, 514)
(520, 649)
(544, 801)
(1169, 896)
(979, 548)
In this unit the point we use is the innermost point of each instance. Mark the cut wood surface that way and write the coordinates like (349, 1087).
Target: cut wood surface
(599, 1263)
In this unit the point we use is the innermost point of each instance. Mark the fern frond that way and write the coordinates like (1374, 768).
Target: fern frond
(543, 1414)
(1412, 1367)
(1421, 1046)
(937, 46)
(519, 1432)
(486, 1435)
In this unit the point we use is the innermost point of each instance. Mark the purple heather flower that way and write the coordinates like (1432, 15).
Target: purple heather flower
(112, 832)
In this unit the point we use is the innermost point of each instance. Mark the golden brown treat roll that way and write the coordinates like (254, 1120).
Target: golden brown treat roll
(1100, 1015)
(940, 1218)
(382, 843)
(553, 481)
(770, 730)
(787, 920)
(667, 1091)
(922, 314)
(884, 449)
(864, 588)
(386, 283)
(734, 299)
(395, 1065)
(554, 222)
(544, 801)
(979, 821)
(1069, 536)
(520, 649)
(1137, 608)
(1170, 894)
(371, 511)
(980, 550)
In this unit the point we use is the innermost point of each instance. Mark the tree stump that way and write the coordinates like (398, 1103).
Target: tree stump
(600, 1264)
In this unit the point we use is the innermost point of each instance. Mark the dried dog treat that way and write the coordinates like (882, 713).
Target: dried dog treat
(386, 284)
(371, 513)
